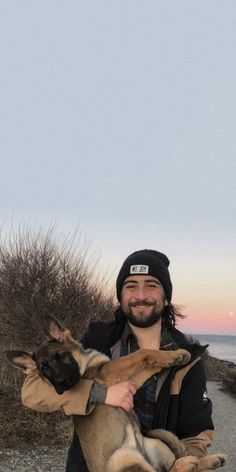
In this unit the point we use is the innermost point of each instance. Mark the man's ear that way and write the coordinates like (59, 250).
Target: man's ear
(21, 359)
(166, 303)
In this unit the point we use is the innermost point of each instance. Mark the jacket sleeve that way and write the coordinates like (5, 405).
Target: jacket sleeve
(38, 394)
(195, 426)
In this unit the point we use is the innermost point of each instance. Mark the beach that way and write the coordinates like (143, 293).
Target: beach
(45, 460)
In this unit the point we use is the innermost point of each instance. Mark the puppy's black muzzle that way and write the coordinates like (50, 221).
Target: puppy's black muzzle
(61, 370)
(66, 383)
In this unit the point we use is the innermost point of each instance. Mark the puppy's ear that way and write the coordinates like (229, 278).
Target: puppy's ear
(53, 328)
(21, 359)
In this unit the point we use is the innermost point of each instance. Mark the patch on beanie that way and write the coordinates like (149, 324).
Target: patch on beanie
(139, 269)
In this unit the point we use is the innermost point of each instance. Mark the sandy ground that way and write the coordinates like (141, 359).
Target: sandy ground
(224, 416)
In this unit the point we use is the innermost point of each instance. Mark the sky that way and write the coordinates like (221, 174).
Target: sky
(117, 119)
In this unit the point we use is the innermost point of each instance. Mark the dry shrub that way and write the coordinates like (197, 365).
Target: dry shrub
(223, 371)
(21, 426)
(214, 367)
(229, 379)
(41, 274)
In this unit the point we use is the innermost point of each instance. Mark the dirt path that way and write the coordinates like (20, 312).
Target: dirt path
(43, 460)
(224, 417)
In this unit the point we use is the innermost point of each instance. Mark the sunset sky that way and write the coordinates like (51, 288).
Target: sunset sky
(118, 119)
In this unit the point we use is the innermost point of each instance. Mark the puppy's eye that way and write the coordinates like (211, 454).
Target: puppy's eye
(44, 366)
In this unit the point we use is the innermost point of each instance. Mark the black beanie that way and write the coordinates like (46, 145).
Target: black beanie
(146, 262)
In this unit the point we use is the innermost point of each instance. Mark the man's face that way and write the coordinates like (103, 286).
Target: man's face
(142, 300)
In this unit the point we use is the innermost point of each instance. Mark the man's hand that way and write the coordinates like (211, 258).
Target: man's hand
(121, 394)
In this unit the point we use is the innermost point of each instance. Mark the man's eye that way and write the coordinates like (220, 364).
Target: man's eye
(153, 285)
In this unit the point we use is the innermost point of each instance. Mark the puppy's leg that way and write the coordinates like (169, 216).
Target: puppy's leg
(149, 360)
(128, 460)
(198, 464)
(211, 462)
(185, 464)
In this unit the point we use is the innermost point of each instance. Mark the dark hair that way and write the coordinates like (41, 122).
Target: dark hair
(170, 315)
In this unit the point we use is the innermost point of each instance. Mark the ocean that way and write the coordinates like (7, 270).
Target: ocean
(222, 347)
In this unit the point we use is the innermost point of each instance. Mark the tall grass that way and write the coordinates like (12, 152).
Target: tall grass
(40, 273)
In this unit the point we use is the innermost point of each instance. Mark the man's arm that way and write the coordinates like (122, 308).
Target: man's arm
(38, 394)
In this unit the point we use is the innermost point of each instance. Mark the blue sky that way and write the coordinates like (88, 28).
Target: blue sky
(118, 118)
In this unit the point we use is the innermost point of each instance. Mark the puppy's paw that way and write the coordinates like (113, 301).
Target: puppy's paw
(221, 460)
(211, 462)
(182, 357)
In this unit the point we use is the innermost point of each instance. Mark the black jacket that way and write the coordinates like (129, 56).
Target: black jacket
(182, 405)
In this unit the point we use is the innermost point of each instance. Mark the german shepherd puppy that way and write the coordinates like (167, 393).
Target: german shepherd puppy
(110, 437)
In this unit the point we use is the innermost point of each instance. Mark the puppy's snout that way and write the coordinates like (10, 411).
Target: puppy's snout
(61, 379)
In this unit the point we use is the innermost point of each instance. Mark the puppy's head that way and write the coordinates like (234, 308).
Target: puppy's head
(53, 358)
(57, 364)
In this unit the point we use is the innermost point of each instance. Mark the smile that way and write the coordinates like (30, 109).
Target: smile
(141, 305)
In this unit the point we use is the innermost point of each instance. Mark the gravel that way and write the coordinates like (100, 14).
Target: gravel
(33, 460)
(45, 459)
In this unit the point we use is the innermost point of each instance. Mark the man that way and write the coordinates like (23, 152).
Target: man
(176, 399)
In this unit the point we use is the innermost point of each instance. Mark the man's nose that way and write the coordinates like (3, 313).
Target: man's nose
(140, 292)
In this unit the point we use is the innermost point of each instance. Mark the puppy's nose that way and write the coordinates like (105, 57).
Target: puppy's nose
(61, 378)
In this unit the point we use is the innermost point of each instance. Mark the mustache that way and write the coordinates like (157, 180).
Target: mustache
(141, 303)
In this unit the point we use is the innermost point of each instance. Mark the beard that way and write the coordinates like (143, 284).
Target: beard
(141, 319)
